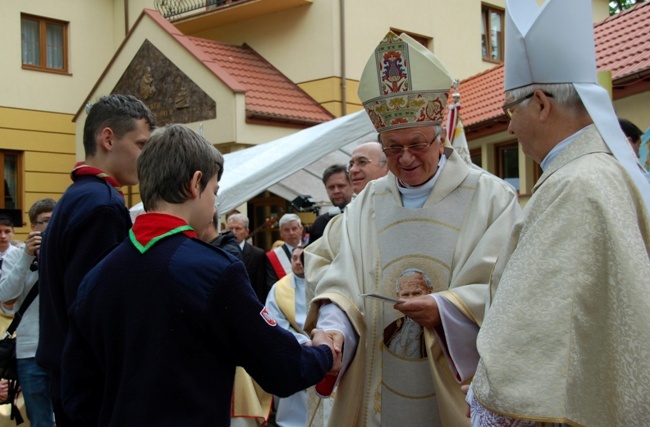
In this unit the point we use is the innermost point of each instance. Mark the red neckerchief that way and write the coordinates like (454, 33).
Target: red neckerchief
(149, 228)
(82, 169)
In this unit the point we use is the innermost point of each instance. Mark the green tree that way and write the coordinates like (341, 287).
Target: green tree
(616, 6)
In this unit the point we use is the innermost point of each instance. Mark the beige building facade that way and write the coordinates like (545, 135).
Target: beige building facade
(39, 93)
(319, 45)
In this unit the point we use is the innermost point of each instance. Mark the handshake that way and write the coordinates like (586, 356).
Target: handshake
(334, 340)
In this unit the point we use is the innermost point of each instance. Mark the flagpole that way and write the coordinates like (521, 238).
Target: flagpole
(452, 117)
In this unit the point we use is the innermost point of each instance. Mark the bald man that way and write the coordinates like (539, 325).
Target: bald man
(368, 162)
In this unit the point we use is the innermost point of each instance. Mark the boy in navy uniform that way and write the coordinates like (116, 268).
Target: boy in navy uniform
(90, 219)
(160, 324)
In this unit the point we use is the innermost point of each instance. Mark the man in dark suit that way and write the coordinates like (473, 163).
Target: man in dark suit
(339, 189)
(226, 240)
(254, 257)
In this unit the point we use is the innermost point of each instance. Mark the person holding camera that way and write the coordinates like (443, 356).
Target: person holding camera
(19, 276)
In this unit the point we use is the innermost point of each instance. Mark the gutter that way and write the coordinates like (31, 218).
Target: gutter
(344, 101)
(632, 78)
(126, 17)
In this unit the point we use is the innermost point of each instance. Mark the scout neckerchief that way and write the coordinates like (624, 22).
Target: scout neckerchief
(82, 169)
(149, 228)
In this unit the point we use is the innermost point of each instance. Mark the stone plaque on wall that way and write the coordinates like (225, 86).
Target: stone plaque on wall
(167, 91)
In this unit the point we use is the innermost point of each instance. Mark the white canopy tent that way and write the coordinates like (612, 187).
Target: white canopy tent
(292, 165)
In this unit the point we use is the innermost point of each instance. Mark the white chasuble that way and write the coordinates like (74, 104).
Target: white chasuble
(453, 240)
(286, 302)
(405, 385)
(570, 300)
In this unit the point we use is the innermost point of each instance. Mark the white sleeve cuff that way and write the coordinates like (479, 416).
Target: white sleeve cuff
(332, 318)
(459, 341)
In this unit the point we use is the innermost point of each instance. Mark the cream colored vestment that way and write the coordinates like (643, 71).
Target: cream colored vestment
(454, 238)
(567, 336)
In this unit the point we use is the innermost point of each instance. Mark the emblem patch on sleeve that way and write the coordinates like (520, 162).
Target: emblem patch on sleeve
(267, 317)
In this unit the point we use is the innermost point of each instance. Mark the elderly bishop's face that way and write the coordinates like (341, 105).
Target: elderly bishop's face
(413, 153)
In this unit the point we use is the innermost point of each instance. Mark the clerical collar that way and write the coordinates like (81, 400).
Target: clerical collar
(149, 228)
(415, 197)
(559, 148)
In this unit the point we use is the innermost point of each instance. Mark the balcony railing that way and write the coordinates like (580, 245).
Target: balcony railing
(174, 8)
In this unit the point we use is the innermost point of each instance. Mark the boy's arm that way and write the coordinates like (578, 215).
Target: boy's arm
(81, 377)
(270, 354)
(90, 241)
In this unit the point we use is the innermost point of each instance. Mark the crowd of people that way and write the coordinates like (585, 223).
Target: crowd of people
(424, 296)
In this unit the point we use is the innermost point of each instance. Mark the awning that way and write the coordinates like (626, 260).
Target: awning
(292, 165)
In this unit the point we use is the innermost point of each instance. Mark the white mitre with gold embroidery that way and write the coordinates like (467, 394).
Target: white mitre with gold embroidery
(554, 43)
(403, 85)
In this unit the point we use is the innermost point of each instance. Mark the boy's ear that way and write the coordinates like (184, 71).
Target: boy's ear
(195, 184)
(106, 139)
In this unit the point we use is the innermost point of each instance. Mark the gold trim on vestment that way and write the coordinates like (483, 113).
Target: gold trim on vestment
(328, 296)
(406, 359)
(313, 415)
(406, 396)
(433, 221)
(249, 399)
(459, 304)
(530, 417)
(285, 296)
(374, 347)
(466, 187)
(491, 281)
(377, 399)
(430, 258)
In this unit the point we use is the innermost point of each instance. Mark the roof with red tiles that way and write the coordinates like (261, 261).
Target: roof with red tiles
(482, 97)
(622, 47)
(270, 94)
(623, 42)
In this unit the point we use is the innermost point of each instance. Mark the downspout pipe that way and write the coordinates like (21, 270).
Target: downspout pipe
(126, 17)
(129, 190)
(344, 100)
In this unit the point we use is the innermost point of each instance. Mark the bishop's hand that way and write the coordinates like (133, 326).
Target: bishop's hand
(423, 309)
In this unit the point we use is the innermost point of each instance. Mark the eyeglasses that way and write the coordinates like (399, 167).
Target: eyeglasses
(45, 221)
(361, 163)
(398, 150)
(508, 108)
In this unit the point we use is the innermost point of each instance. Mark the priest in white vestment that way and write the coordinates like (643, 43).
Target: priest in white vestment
(287, 303)
(432, 213)
(566, 339)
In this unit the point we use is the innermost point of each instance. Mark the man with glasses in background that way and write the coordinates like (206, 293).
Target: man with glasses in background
(368, 162)
(432, 213)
